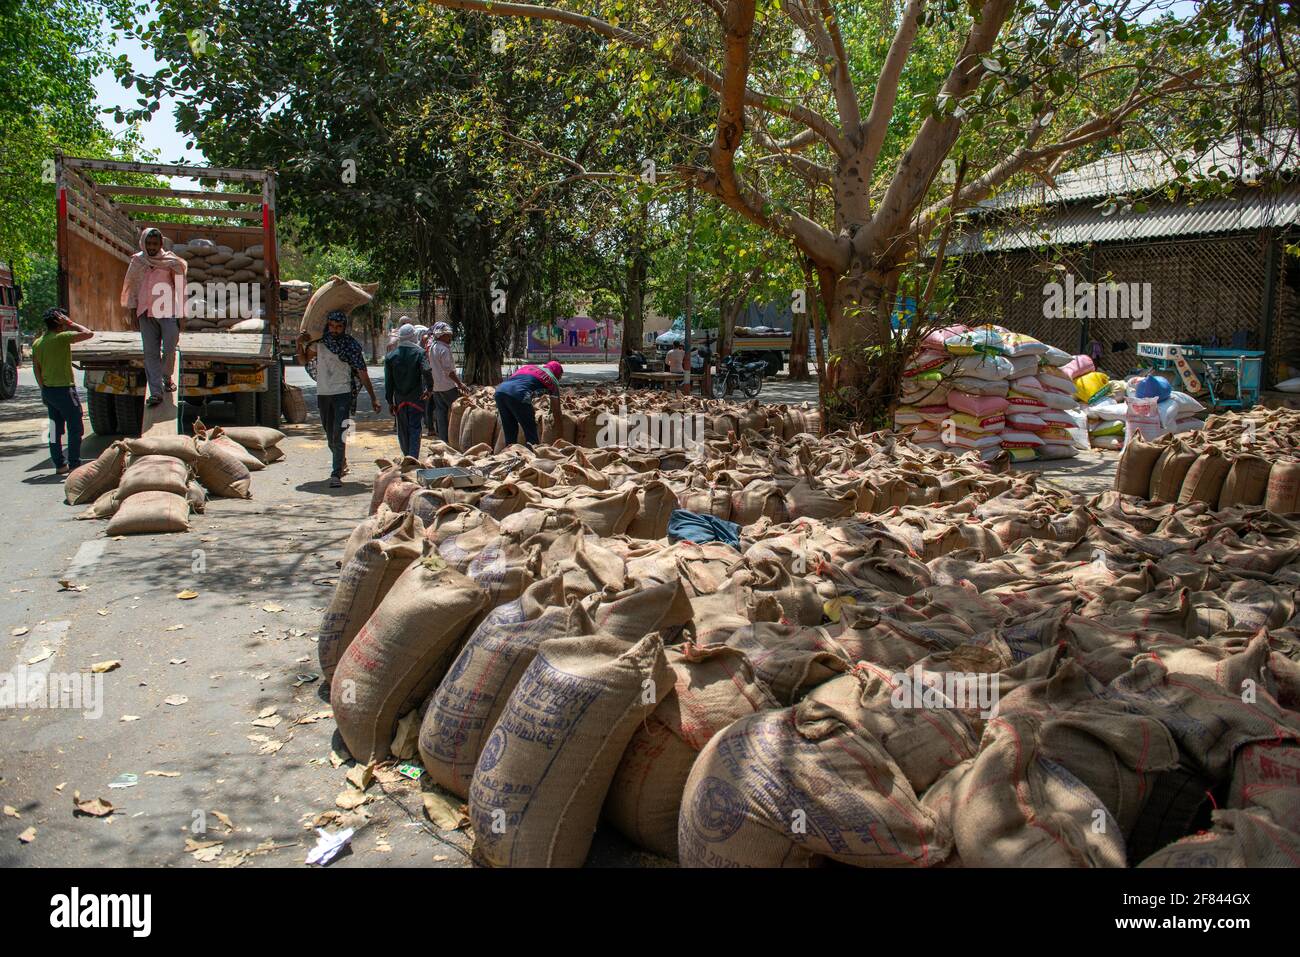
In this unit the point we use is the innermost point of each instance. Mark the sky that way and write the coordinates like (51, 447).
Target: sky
(159, 132)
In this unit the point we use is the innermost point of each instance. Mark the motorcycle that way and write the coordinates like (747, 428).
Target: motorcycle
(734, 372)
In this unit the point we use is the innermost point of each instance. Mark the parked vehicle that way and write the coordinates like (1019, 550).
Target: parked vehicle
(97, 234)
(770, 345)
(735, 372)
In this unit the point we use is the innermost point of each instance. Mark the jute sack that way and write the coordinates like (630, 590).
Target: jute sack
(221, 473)
(372, 526)
(506, 499)
(254, 436)
(363, 583)
(1168, 473)
(1014, 807)
(154, 473)
(758, 500)
(923, 741)
(772, 791)
(219, 438)
(398, 494)
(401, 653)
(605, 513)
(88, 482)
(477, 426)
(454, 418)
(390, 472)
(334, 293)
(103, 507)
(293, 404)
(1204, 479)
(715, 685)
(1238, 838)
(1247, 481)
(536, 794)
(177, 446)
(1283, 495)
(706, 501)
(790, 660)
(196, 496)
(461, 547)
(655, 503)
(268, 455)
(1133, 474)
(466, 705)
(151, 512)
(809, 500)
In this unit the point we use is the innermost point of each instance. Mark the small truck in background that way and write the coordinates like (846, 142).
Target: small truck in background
(10, 339)
(100, 217)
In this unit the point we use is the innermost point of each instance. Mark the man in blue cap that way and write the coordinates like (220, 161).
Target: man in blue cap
(332, 368)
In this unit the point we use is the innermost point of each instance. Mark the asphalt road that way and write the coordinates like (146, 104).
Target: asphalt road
(263, 571)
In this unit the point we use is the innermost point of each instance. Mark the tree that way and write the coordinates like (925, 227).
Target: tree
(51, 52)
(803, 91)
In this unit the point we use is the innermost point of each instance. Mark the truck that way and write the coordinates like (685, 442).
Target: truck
(10, 345)
(99, 227)
(765, 343)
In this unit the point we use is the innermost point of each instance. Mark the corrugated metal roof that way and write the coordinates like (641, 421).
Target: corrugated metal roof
(1138, 172)
(1078, 225)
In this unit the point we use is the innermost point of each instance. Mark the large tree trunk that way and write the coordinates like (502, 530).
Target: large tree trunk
(482, 331)
(633, 308)
(799, 335)
(865, 368)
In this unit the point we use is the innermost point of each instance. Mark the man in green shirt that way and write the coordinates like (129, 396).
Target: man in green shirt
(52, 363)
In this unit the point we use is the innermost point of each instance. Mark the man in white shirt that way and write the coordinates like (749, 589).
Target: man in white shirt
(446, 383)
(331, 361)
(674, 359)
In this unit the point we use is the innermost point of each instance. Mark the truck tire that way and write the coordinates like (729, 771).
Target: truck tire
(129, 413)
(9, 377)
(103, 413)
(245, 408)
(268, 402)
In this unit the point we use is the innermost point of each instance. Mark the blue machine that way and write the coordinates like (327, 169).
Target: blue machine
(1229, 377)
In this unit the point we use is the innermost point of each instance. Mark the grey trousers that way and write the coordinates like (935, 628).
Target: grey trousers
(158, 335)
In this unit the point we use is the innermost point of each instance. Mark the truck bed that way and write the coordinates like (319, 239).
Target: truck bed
(233, 347)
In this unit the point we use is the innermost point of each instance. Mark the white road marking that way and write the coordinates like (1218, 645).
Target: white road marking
(88, 555)
(50, 636)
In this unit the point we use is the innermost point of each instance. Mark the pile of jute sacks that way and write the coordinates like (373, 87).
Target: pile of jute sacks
(586, 412)
(1238, 459)
(909, 660)
(211, 262)
(989, 390)
(150, 485)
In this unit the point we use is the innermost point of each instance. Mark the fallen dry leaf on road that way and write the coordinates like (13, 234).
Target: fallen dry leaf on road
(11, 811)
(360, 776)
(337, 760)
(67, 584)
(100, 667)
(187, 594)
(314, 717)
(406, 738)
(447, 813)
(203, 851)
(175, 699)
(224, 819)
(177, 661)
(129, 717)
(102, 612)
(28, 835)
(272, 607)
(270, 722)
(94, 807)
(271, 747)
(268, 711)
(350, 799)
(46, 653)
(20, 631)
(162, 774)
(173, 628)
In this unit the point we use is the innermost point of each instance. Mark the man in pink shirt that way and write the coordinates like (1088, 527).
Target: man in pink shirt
(153, 294)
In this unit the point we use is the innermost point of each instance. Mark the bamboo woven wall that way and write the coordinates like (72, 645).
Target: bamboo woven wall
(1202, 290)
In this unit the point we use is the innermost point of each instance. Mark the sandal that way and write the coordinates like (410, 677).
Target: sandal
(169, 384)
(153, 400)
